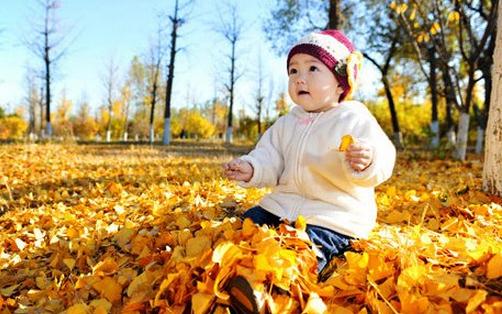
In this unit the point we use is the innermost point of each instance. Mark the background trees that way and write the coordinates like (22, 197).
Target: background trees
(433, 59)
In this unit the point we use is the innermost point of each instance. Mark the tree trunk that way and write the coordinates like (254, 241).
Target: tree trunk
(492, 168)
(434, 99)
(463, 133)
(152, 110)
(480, 136)
(166, 138)
(398, 141)
(334, 14)
(463, 123)
(229, 134)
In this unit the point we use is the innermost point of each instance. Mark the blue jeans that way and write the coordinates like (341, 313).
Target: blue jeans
(330, 243)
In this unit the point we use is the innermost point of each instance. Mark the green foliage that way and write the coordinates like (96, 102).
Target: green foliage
(2, 112)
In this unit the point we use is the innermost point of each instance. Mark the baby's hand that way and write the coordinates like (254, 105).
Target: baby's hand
(359, 156)
(239, 170)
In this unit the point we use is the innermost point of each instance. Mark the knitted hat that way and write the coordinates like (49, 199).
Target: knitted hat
(336, 51)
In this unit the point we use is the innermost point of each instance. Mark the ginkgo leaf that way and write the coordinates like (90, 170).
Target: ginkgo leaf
(201, 302)
(78, 309)
(494, 267)
(109, 288)
(156, 245)
(345, 142)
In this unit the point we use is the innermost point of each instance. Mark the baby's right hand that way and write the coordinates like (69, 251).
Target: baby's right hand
(239, 170)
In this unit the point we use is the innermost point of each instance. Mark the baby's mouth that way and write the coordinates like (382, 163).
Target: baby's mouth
(302, 92)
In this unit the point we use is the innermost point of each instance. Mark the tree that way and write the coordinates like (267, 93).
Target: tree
(154, 74)
(48, 46)
(84, 125)
(460, 19)
(492, 169)
(62, 123)
(110, 83)
(259, 97)
(32, 99)
(125, 94)
(232, 31)
(290, 20)
(176, 22)
(384, 42)
(281, 105)
(137, 79)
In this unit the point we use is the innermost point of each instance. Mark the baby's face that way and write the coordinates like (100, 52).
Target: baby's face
(311, 84)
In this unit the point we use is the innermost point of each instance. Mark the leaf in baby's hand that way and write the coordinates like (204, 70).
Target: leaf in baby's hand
(346, 141)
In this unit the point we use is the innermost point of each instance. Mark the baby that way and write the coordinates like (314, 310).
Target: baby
(298, 155)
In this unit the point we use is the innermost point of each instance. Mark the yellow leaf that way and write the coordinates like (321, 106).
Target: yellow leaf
(453, 16)
(301, 223)
(201, 302)
(413, 14)
(6, 292)
(356, 260)
(402, 8)
(248, 228)
(109, 288)
(69, 262)
(494, 267)
(72, 233)
(315, 305)
(435, 28)
(123, 236)
(101, 306)
(20, 244)
(106, 267)
(478, 298)
(225, 253)
(197, 246)
(78, 309)
(139, 284)
(345, 142)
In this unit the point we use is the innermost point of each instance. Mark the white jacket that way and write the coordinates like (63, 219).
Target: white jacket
(298, 156)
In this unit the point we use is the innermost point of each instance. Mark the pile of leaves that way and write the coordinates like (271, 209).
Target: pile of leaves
(104, 229)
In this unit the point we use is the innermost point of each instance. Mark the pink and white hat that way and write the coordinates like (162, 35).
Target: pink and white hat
(336, 51)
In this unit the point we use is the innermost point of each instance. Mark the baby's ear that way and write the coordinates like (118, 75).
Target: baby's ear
(339, 89)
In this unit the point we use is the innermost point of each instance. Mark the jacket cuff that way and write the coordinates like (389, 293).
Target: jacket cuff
(257, 173)
(367, 176)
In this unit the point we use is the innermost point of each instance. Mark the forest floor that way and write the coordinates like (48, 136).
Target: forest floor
(138, 228)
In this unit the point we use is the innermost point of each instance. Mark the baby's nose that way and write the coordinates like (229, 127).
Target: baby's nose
(300, 79)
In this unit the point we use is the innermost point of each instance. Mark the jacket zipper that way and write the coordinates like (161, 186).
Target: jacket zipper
(299, 154)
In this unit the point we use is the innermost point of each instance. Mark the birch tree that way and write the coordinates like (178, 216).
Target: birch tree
(49, 46)
(176, 22)
(231, 28)
(492, 169)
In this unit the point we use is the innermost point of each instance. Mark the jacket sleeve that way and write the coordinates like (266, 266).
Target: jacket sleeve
(266, 159)
(368, 131)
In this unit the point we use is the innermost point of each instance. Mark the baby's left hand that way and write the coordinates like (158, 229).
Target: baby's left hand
(359, 156)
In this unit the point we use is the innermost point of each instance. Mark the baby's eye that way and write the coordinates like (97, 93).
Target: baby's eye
(313, 68)
(292, 71)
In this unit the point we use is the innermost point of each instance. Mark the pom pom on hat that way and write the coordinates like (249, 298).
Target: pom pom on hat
(337, 52)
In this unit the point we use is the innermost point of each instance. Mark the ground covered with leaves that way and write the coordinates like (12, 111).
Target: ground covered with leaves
(135, 229)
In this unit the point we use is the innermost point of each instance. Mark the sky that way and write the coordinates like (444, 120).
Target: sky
(100, 30)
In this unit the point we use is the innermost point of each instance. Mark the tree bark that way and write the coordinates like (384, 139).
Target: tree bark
(434, 98)
(229, 134)
(492, 168)
(393, 114)
(333, 14)
(166, 138)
